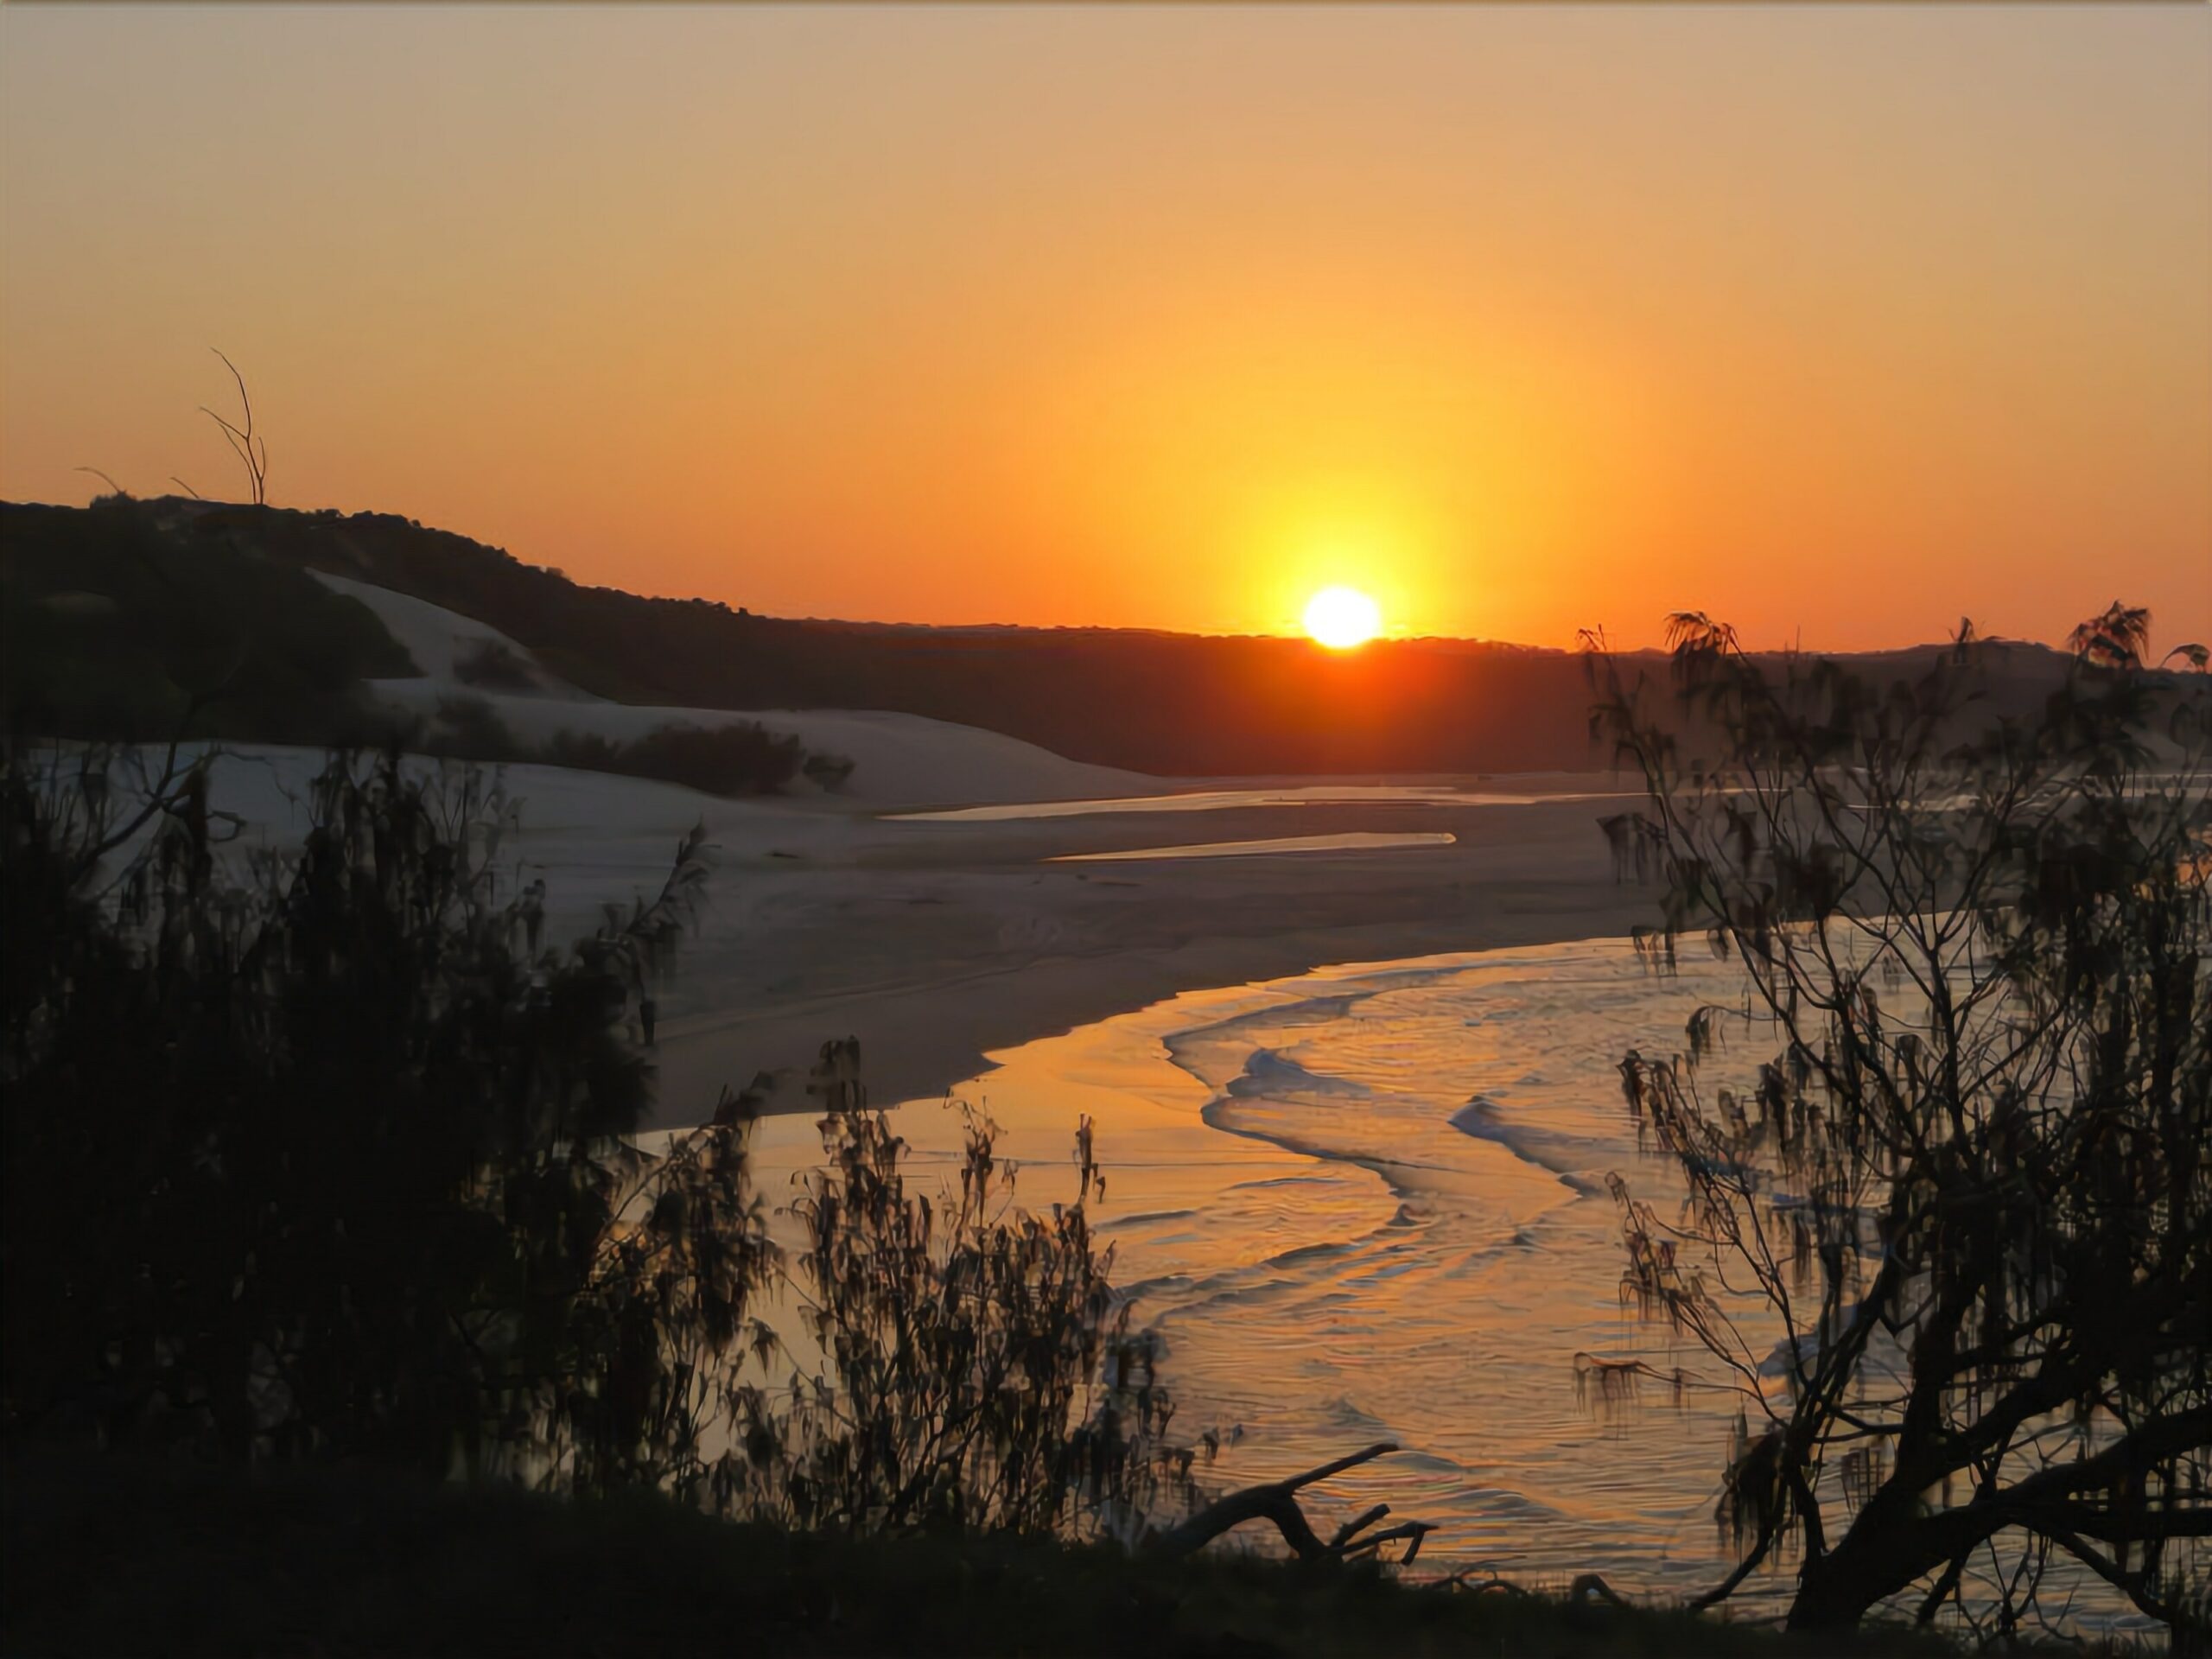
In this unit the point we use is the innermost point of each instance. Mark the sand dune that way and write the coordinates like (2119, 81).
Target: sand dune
(439, 639)
(898, 760)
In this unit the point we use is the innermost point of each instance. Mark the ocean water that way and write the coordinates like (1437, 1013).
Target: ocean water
(1371, 1202)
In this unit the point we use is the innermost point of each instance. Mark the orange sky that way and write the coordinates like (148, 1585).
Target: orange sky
(1521, 319)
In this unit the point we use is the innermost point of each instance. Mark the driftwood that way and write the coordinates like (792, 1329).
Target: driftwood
(1587, 1587)
(1277, 1501)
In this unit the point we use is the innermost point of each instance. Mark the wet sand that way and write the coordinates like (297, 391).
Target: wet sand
(935, 944)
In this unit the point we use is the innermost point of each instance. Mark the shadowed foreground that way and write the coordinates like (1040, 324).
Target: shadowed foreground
(107, 1555)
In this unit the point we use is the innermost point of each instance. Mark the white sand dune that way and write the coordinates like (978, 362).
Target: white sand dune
(439, 639)
(898, 760)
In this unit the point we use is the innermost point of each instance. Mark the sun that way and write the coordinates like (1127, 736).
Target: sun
(1341, 617)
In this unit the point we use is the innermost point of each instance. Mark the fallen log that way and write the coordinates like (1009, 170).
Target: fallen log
(1588, 1587)
(1276, 1502)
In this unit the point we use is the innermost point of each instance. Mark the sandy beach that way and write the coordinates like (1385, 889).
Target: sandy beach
(936, 943)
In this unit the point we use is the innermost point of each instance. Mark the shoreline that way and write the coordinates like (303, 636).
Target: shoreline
(938, 944)
(936, 957)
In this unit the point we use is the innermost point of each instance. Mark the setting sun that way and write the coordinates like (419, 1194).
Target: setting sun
(1341, 617)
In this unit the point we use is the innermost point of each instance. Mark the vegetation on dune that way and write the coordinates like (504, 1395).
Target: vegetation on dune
(734, 760)
(1951, 1244)
(115, 628)
(491, 666)
(737, 758)
(123, 622)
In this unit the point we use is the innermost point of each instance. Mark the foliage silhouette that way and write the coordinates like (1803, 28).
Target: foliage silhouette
(979, 1371)
(335, 1162)
(1963, 1216)
(251, 448)
(115, 628)
(736, 758)
(324, 1161)
(492, 666)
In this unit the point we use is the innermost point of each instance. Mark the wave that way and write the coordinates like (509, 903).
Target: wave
(1361, 983)
(1278, 1180)
(1401, 1175)
(1480, 1120)
(1151, 1216)
(1270, 1072)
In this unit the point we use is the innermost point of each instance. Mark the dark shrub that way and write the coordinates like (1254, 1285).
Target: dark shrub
(331, 1160)
(469, 728)
(336, 1162)
(829, 772)
(491, 666)
(116, 626)
(740, 759)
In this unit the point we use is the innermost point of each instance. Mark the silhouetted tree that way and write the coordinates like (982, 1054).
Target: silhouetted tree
(978, 1367)
(323, 1160)
(327, 1157)
(1952, 1242)
(2116, 638)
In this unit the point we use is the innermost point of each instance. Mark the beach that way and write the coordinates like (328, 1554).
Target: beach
(909, 910)
(937, 943)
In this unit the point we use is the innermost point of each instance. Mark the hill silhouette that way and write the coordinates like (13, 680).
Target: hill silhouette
(1161, 703)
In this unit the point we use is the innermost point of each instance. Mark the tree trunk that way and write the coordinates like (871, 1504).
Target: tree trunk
(1833, 1593)
(1886, 1550)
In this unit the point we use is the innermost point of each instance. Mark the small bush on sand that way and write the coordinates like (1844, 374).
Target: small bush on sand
(117, 627)
(737, 758)
(470, 728)
(732, 760)
(489, 665)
